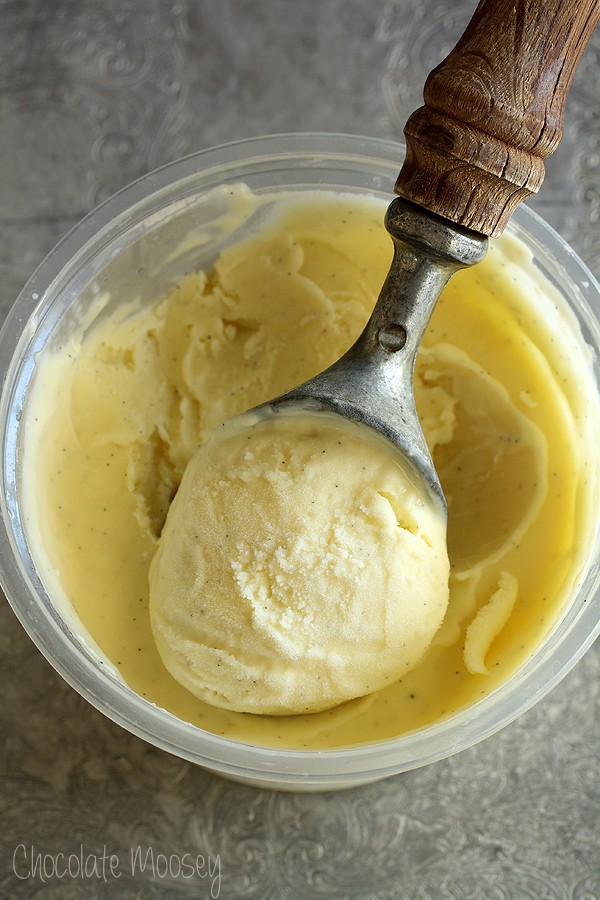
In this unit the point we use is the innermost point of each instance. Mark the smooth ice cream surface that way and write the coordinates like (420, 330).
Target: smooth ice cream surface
(504, 389)
(300, 566)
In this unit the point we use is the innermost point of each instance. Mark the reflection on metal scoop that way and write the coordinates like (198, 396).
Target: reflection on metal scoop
(373, 382)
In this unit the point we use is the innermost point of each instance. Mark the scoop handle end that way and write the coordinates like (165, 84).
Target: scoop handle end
(494, 110)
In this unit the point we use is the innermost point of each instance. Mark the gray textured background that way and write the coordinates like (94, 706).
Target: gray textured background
(94, 93)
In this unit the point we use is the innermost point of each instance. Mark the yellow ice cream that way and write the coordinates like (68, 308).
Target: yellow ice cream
(300, 567)
(505, 394)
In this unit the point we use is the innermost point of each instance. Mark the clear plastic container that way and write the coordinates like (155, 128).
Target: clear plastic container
(136, 242)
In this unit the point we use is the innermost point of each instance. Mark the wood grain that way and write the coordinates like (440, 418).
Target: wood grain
(494, 110)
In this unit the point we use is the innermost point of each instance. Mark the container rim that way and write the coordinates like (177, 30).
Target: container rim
(66, 652)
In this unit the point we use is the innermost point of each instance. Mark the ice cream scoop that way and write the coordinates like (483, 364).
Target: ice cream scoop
(493, 111)
(327, 580)
(302, 566)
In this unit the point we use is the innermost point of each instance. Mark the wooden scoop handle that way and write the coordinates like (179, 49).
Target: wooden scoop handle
(494, 110)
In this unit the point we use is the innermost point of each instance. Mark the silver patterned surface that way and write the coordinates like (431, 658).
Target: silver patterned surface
(92, 94)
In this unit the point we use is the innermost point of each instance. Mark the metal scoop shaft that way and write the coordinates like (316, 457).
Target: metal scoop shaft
(373, 382)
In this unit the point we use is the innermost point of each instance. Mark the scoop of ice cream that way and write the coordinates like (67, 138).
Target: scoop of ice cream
(300, 566)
